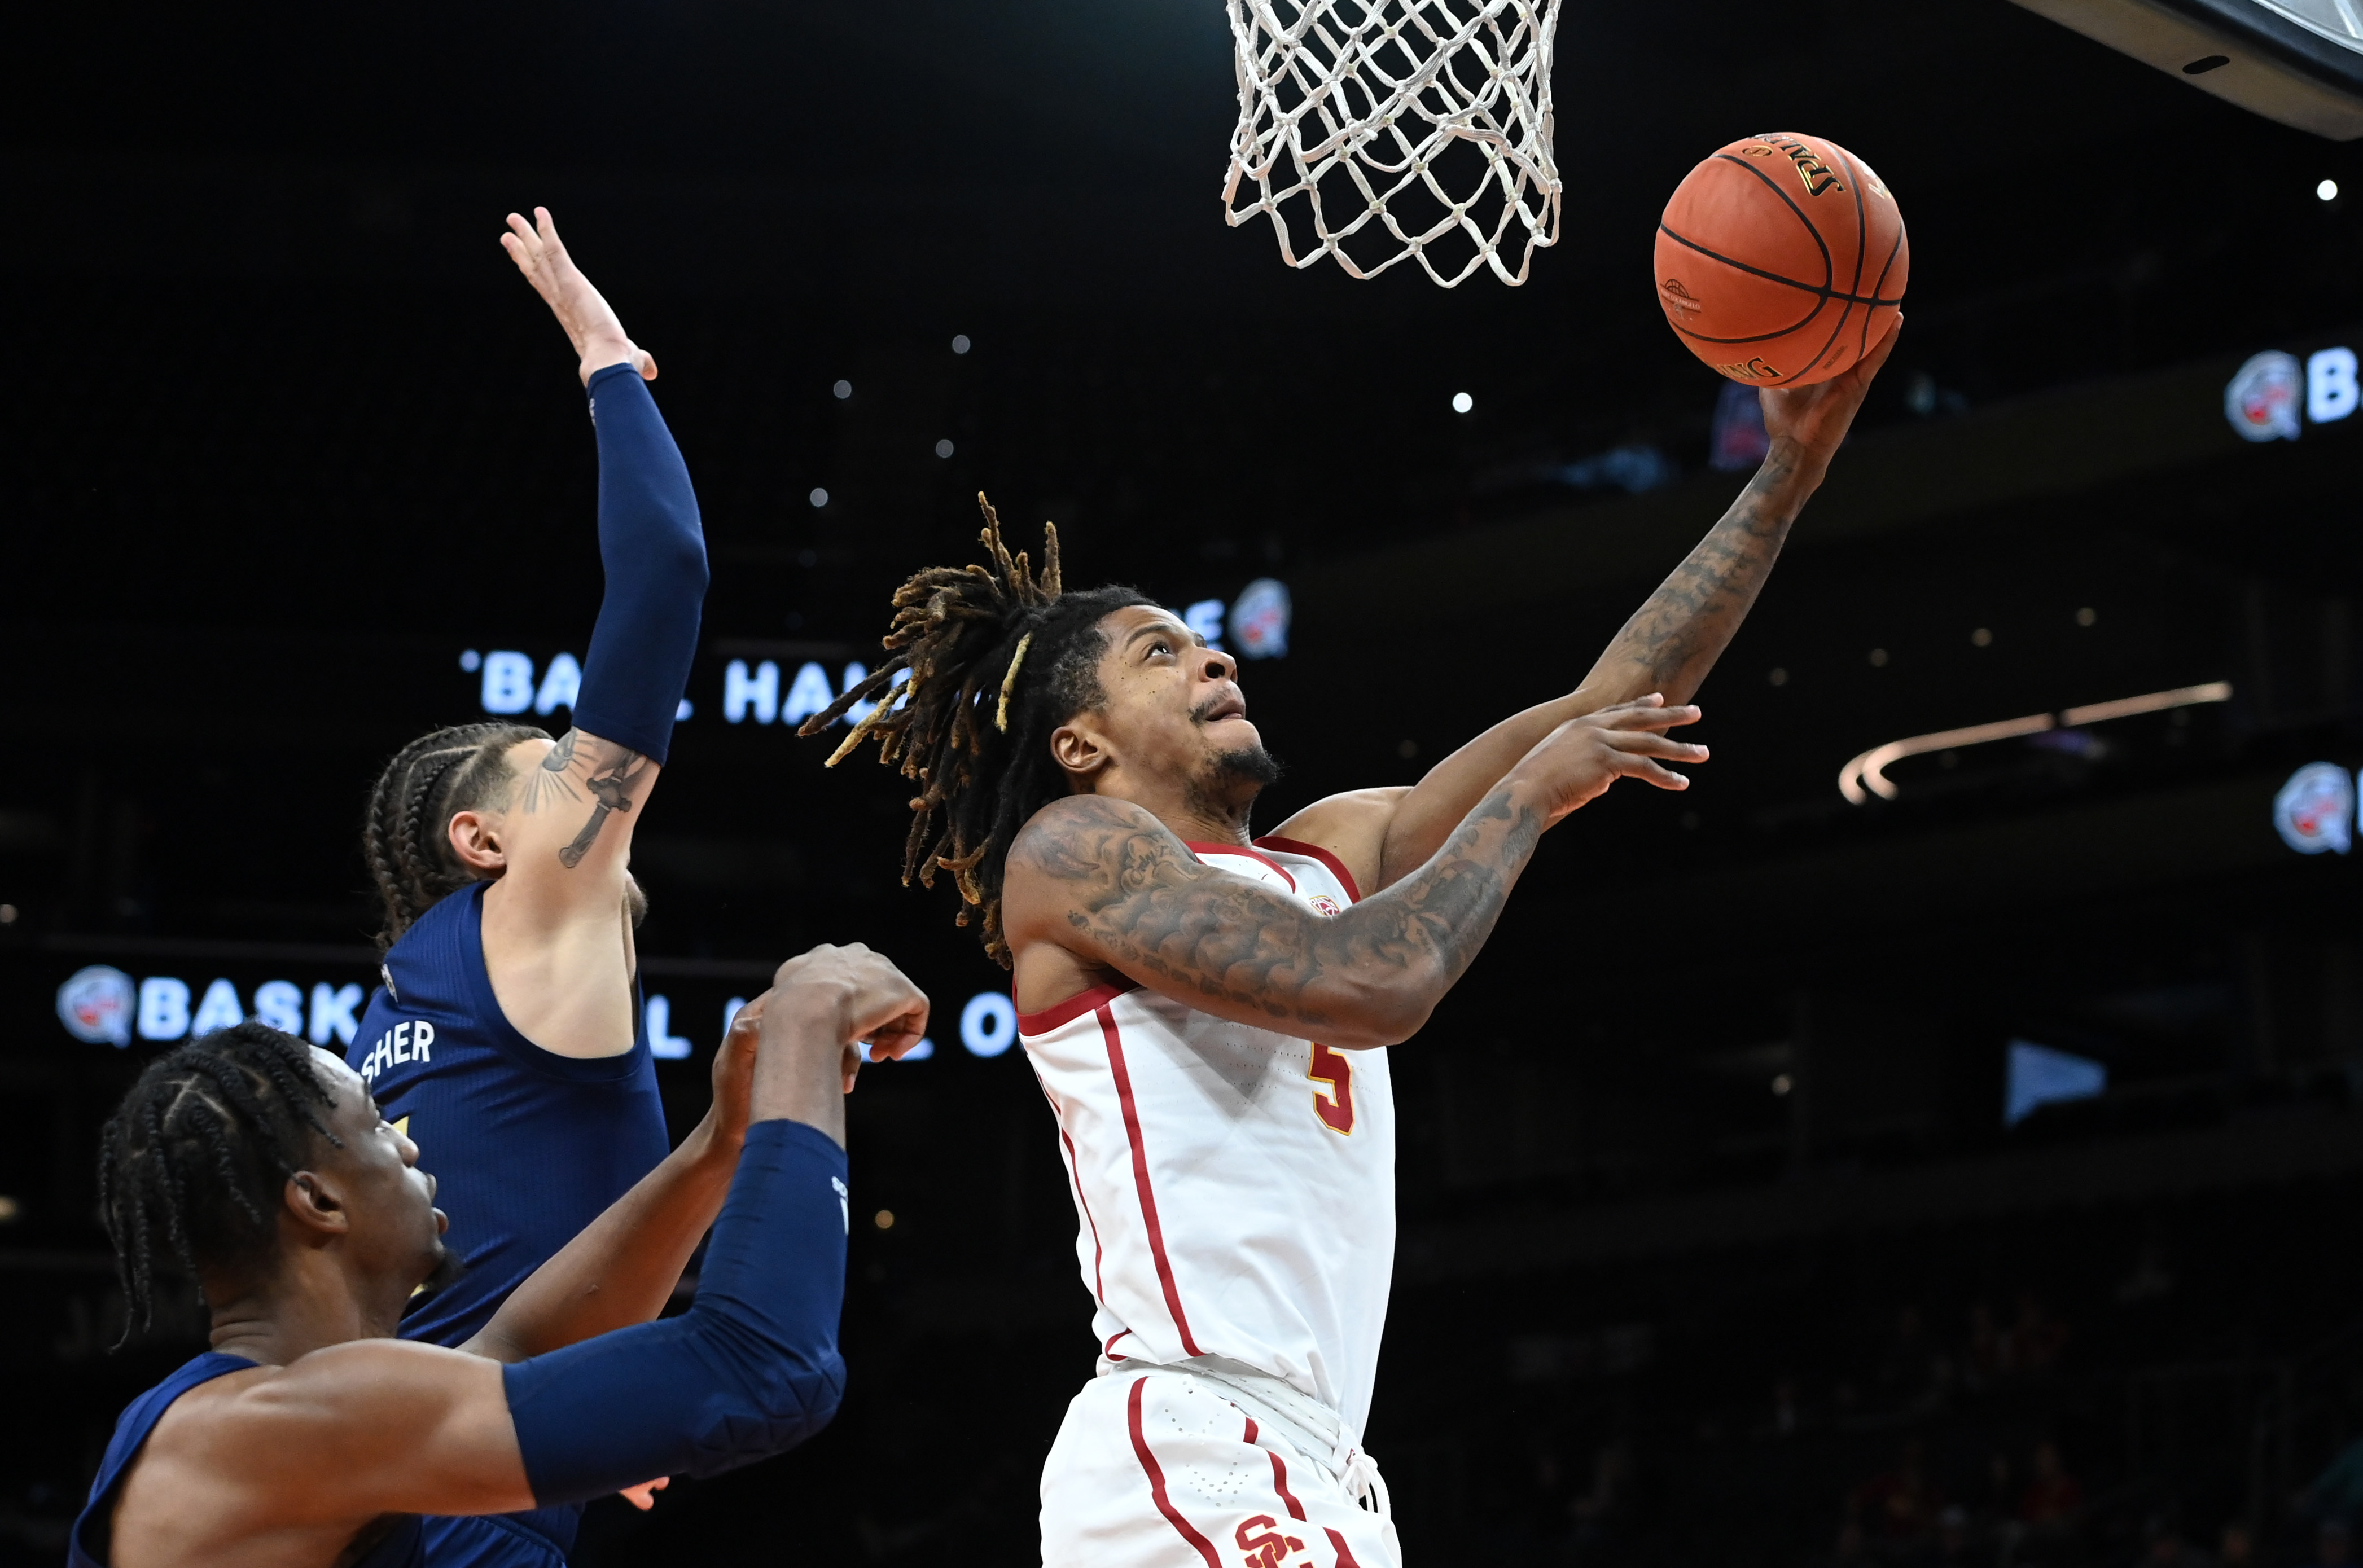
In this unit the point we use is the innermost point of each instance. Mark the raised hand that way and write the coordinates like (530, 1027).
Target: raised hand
(1816, 419)
(589, 321)
(1577, 761)
(878, 1004)
(846, 995)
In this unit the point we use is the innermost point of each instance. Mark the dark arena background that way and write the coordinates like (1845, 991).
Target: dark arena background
(1965, 1177)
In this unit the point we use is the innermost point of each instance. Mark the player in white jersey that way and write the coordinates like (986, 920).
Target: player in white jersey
(1209, 1013)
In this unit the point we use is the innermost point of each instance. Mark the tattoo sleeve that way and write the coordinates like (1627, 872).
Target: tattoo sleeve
(579, 765)
(1673, 640)
(1135, 897)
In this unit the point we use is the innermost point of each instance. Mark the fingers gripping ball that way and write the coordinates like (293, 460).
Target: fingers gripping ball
(1781, 259)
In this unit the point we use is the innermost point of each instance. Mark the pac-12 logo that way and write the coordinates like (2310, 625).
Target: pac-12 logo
(2260, 400)
(97, 1004)
(1260, 618)
(2315, 809)
(1323, 904)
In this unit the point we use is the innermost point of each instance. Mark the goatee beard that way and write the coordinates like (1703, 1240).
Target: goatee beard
(1218, 793)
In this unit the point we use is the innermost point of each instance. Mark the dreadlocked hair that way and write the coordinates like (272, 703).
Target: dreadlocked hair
(428, 783)
(998, 657)
(191, 1164)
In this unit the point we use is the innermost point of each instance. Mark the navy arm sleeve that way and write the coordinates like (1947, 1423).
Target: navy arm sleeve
(654, 553)
(752, 1369)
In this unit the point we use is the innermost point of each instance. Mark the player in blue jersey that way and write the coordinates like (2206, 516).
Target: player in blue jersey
(507, 1040)
(309, 1435)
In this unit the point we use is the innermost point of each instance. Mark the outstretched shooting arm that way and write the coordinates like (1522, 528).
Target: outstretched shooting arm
(1107, 882)
(1668, 646)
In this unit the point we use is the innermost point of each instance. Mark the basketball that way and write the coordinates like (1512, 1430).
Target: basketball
(1782, 261)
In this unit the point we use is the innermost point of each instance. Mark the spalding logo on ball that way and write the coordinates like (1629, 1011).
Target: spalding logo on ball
(1782, 261)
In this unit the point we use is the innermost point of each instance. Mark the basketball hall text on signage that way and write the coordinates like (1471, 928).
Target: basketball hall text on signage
(1254, 625)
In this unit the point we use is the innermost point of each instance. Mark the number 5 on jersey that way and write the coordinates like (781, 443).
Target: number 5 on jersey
(1335, 1105)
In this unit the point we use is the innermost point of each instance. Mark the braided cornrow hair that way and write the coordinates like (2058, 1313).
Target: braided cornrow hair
(998, 658)
(191, 1164)
(428, 783)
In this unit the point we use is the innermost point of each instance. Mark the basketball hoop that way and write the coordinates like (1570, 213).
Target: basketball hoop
(1384, 93)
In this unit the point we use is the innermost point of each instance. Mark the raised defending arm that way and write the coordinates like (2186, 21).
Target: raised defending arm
(653, 548)
(1105, 879)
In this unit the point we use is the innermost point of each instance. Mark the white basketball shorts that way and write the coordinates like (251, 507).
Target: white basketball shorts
(1155, 1471)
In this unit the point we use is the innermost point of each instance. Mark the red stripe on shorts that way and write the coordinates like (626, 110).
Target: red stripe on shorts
(1279, 1477)
(1156, 1480)
(1140, 1176)
(1345, 1555)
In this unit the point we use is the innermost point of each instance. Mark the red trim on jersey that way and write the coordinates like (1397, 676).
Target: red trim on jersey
(1108, 1350)
(1073, 1008)
(1123, 1076)
(1344, 1556)
(1156, 1480)
(1099, 1286)
(1240, 849)
(1279, 1477)
(1337, 866)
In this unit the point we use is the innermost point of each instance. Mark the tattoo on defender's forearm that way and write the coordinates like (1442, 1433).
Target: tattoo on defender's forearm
(1134, 897)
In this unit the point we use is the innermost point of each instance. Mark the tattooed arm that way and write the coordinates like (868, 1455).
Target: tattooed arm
(1668, 646)
(582, 782)
(1109, 887)
(558, 923)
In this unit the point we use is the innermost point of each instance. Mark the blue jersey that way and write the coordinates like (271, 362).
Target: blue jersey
(399, 1547)
(527, 1148)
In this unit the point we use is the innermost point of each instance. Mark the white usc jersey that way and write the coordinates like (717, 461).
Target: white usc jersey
(1234, 1187)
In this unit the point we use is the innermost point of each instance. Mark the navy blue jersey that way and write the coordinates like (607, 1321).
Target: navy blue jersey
(527, 1148)
(399, 1547)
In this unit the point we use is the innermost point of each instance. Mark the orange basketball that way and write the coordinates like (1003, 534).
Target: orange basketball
(1781, 259)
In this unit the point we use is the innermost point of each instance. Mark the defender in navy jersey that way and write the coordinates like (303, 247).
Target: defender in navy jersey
(507, 1040)
(308, 1435)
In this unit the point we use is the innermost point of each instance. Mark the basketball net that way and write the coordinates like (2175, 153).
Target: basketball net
(1375, 95)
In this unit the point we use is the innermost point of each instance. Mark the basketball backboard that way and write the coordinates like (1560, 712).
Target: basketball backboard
(2297, 62)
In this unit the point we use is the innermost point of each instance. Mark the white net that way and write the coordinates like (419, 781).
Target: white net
(1399, 105)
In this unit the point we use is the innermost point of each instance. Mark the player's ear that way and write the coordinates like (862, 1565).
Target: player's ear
(476, 840)
(1082, 752)
(317, 1207)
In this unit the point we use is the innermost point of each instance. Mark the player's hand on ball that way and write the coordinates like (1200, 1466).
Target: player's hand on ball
(1577, 761)
(589, 321)
(1816, 419)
